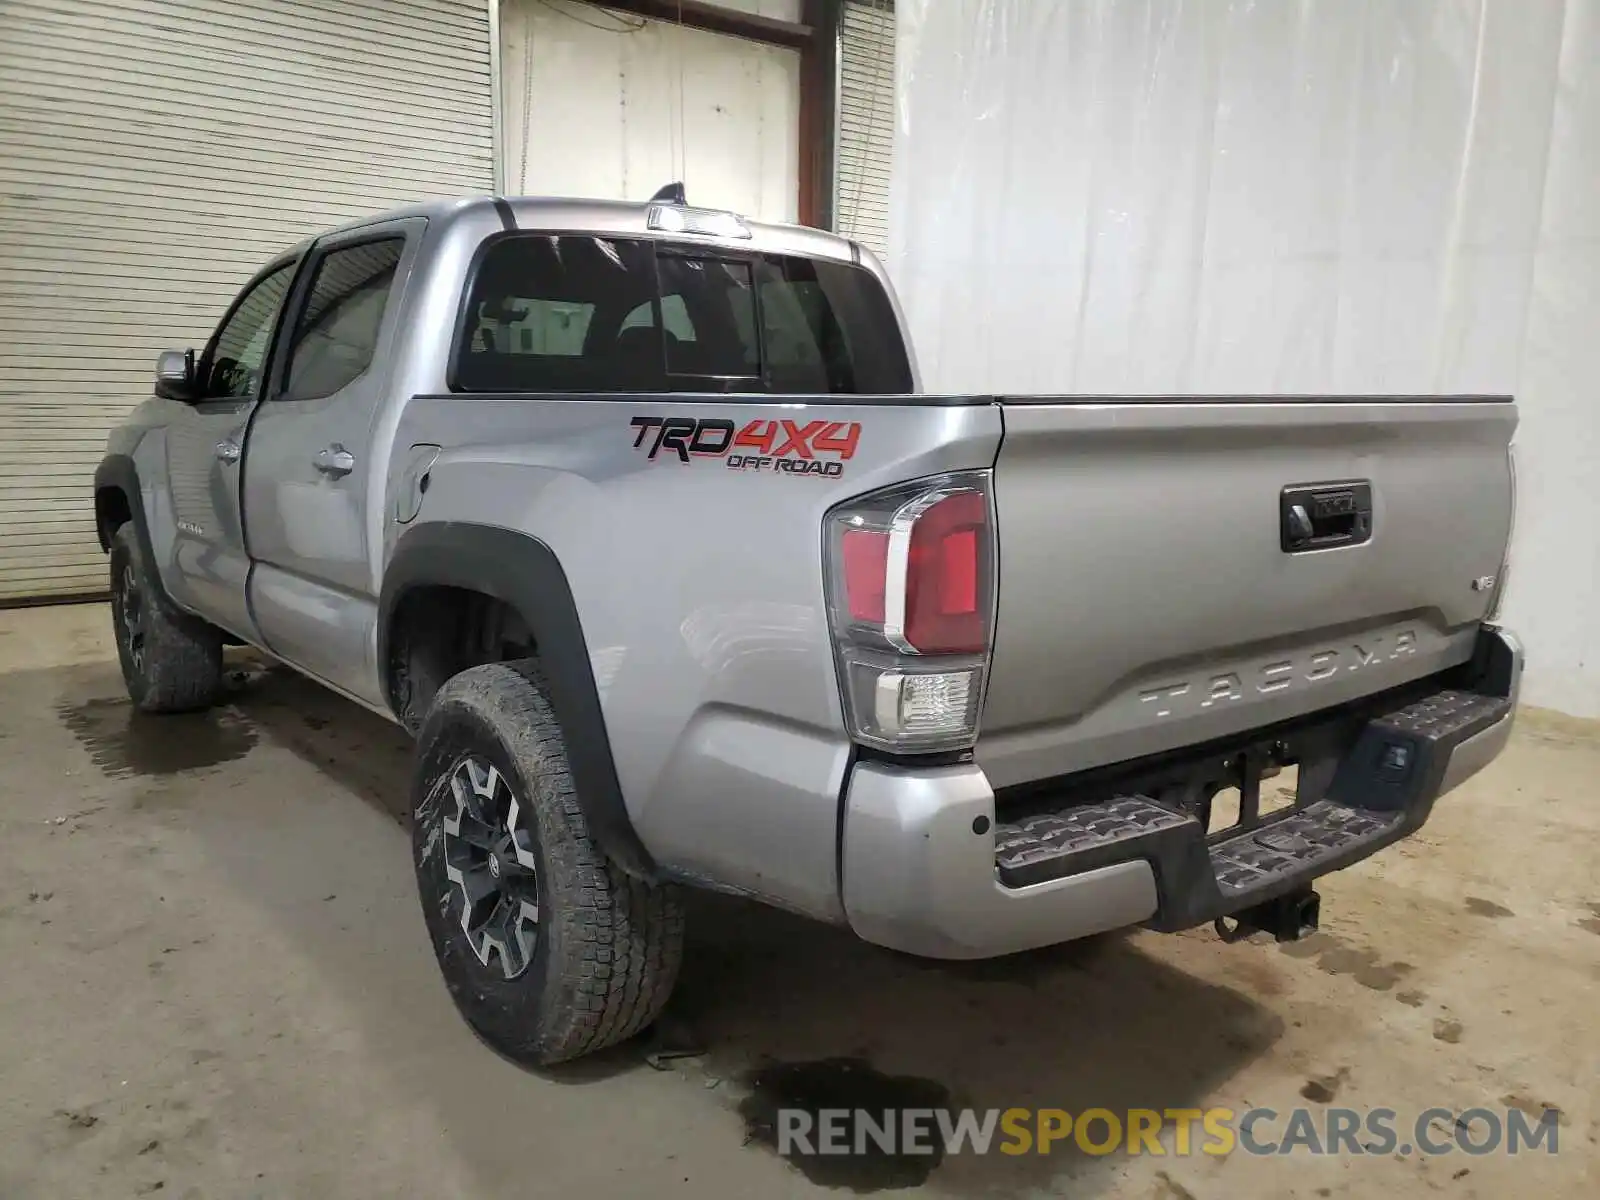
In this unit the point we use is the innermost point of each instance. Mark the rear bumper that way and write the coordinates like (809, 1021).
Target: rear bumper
(927, 868)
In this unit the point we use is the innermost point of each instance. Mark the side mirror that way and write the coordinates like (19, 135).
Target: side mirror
(175, 376)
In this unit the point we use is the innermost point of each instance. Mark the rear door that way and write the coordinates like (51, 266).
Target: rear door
(205, 442)
(1158, 587)
(310, 514)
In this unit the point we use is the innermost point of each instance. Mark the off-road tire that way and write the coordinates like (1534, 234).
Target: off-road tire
(171, 662)
(606, 946)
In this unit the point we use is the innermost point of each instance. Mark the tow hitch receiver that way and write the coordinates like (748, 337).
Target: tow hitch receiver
(1288, 918)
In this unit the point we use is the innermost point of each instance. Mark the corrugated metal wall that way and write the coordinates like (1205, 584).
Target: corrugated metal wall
(153, 154)
(866, 121)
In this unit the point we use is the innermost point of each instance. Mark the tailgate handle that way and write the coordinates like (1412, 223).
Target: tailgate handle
(1321, 516)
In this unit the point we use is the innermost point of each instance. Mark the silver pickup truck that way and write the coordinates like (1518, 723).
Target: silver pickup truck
(634, 515)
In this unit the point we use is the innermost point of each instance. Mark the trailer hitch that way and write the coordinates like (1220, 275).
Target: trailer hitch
(1288, 918)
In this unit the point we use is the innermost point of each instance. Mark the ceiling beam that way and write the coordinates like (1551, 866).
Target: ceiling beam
(819, 69)
(698, 14)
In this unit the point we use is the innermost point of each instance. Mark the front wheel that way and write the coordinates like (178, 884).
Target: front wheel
(171, 662)
(550, 951)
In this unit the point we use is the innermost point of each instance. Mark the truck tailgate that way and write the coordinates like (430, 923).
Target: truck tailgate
(1158, 588)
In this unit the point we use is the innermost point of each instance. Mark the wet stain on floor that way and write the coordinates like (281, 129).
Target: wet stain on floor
(1257, 974)
(1325, 1088)
(1334, 957)
(1170, 1188)
(787, 1098)
(1539, 1110)
(1591, 922)
(124, 742)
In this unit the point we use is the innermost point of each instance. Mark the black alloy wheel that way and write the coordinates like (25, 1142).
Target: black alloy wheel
(489, 860)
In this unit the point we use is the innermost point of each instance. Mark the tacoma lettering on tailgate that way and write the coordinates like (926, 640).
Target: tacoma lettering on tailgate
(1318, 666)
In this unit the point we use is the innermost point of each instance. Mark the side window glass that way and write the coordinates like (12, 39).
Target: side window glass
(336, 334)
(232, 369)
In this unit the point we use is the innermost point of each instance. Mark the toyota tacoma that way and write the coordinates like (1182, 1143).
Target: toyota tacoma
(635, 517)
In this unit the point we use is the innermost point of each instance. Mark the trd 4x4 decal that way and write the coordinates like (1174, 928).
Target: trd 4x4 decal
(790, 447)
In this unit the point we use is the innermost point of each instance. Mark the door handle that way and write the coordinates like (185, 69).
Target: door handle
(1320, 516)
(335, 461)
(228, 451)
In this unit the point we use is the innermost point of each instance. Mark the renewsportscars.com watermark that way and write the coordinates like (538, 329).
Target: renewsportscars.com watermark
(1172, 1131)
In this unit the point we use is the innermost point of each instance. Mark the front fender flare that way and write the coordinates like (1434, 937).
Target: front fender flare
(118, 472)
(524, 573)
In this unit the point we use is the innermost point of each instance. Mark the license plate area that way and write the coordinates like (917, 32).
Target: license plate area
(1253, 790)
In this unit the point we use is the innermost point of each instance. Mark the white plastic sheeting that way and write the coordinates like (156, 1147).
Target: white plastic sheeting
(1276, 196)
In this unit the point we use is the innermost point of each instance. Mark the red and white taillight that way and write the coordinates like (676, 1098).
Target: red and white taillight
(911, 576)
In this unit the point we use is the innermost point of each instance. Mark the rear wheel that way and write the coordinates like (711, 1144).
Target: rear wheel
(549, 950)
(171, 662)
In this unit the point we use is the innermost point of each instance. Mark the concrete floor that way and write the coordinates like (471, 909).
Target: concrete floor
(214, 982)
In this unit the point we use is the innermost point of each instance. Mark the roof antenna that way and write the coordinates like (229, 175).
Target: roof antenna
(671, 194)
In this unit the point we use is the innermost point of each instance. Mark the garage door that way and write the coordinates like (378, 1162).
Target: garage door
(866, 121)
(153, 153)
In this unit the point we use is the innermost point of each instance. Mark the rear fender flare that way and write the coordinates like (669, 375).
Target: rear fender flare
(524, 573)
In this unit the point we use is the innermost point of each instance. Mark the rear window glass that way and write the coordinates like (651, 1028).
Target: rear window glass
(722, 293)
(576, 312)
